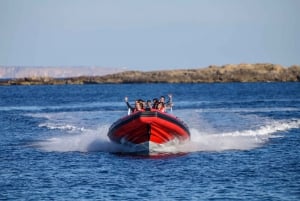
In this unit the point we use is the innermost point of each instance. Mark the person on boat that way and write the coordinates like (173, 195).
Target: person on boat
(162, 99)
(161, 107)
(144, 103)
(148, 105)
(138, 105)
(154, 104)
(128, 105)
(168, 104)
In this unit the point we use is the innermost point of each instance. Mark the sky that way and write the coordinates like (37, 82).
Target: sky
(149, 34)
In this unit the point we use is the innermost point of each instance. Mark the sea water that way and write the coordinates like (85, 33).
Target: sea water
(244, 143)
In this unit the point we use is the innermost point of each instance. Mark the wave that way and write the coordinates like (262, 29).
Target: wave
(238, 140)
(87, 141)
(96, 140)
(53, 126)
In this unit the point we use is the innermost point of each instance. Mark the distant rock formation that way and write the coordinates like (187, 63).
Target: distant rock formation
(55, 72)
(226, 73)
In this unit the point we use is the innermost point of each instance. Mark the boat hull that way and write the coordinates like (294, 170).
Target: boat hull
(149, 130)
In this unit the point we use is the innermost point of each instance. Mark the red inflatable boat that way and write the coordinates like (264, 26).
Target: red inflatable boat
(143, 131)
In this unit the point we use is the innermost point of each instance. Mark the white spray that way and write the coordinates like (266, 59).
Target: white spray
(97, 140)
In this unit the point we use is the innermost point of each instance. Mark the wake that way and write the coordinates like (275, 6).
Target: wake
(96, 140)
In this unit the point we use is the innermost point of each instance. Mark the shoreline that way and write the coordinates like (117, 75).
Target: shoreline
(210, 74)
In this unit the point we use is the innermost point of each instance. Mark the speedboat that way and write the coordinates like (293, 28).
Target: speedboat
(148, 132)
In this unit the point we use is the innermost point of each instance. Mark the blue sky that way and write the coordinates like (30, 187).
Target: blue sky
(149, 35)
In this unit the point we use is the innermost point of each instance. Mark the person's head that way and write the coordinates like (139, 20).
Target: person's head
(138, 106)
(149, 103)
(160, 105)
(142, 102)
(162, 99)
(154, 103)
(137, 102)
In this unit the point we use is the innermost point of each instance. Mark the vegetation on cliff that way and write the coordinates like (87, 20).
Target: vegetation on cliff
(226, 73)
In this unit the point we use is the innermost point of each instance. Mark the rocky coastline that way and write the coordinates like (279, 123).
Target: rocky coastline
(211, 74)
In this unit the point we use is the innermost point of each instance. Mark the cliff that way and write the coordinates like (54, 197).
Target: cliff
(226, 73)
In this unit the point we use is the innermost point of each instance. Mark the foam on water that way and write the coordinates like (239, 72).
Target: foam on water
(87, 141)
(53, 126)
(91, 140)
(238, 140)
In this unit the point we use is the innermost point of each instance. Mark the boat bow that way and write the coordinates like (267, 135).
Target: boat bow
(149, 128)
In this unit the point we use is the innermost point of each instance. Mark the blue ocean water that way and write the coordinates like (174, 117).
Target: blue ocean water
(244, 144)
